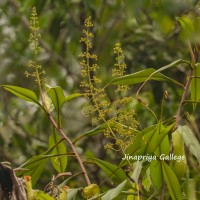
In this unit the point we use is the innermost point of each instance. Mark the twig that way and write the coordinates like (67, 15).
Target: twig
(186, 88)
(162, 196)
(187, 85)
(72, 146)
(140, 188)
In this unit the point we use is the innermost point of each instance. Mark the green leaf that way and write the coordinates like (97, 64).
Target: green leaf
(23, 93)
(59, 162)
(58, 99)
(114, 192)
(156, 173)
(179, 168)
(96, 131)
(71, 193)
(172, 182)
(190, 140)
(40, 195)
(112, 171)
(155, 166)
(93, 132)
(34, 167)
(73, 96)
(142, 76)
(187, 25)
(195, 85)
(165, 146)
(191, 191)
(154, 139)
(57, 96)
(147, 141)
(137, 170)
(137, 143)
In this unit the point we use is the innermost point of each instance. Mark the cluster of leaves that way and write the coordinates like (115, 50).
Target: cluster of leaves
(158, 178)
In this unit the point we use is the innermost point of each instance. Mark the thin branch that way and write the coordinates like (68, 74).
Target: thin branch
(186, 89)
(140, 188)
(162, 196)
(72, 146)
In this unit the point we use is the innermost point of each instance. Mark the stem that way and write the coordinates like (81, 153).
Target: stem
(139, 186)
(186, 88)
(163, 191)
(73, 148)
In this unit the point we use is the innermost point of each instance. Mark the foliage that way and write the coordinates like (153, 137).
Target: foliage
(144, 160)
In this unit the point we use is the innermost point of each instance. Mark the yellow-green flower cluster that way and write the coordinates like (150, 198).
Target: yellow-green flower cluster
(88, 64)
(36, 70)
(123, 122)
(119, 118)
(119, 66)
(34, 35)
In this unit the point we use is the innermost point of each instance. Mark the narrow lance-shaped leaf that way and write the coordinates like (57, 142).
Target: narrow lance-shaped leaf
(93, 132)
(112, 193)
(179, 150)
(71, 193)
(156, 173)
(150, 140)
(136, 145)
(137, 170)
(191, 191)
(114, 172)
(73, 96)
(142, 76)
(57, 97)
(34, 167)
(190, 140)
(164, 147)
(155, 165)
(99, 129)
(172, 182)
(58, 162)
(157, 138)
(23, 93)
(188, 27)
(195, 86)
(40, 195)
(147, 141)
